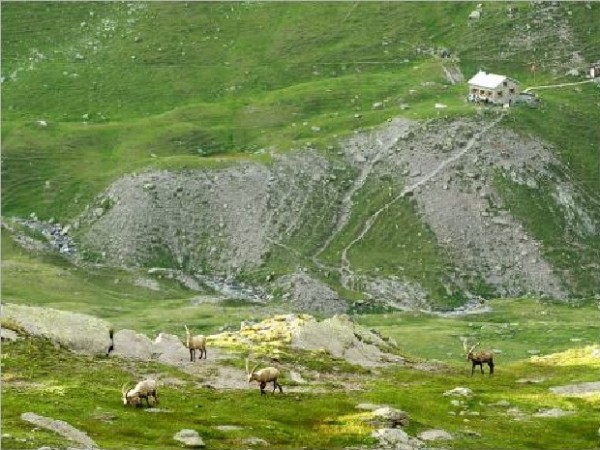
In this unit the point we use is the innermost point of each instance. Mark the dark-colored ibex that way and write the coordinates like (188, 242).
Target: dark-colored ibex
(479, 358)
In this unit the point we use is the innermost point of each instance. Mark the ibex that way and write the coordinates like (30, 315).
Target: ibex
(143, 390)
(479, 358)
(194, 343)
(264, 376)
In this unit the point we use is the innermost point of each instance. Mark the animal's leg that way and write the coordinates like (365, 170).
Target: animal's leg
(481, 367)
(192, 354)
(491, 364)
(263, 384)
(280, 389)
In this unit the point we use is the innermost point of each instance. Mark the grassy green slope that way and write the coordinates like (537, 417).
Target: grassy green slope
(215, 79)
(84, 391)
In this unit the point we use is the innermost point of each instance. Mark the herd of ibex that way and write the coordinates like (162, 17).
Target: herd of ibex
(147, 389)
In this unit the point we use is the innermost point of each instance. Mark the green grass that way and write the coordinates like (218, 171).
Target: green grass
(216, 83)
(513, 326)
(84, 391)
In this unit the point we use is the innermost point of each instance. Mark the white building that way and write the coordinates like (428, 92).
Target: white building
(492, 88)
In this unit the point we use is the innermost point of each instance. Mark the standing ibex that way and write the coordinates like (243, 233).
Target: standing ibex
(479, 358)
(194, 343)
(264, 376)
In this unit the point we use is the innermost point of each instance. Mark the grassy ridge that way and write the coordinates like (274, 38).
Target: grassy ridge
(214, 81)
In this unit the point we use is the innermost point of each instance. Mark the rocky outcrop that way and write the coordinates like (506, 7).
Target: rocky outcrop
(60, 427)
(78, 332)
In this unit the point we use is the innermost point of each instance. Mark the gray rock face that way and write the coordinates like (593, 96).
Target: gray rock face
(170, 349)
(130, 344)
(60, 427)
(189, 438)
(308, 294)
(225, 219)
(344, 339)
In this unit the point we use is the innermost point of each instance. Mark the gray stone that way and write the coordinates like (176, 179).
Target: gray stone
(390, 417)
(60, 427)
(8, 335)
(255, 441)
(434, 435)
(131, 344)
(228, 428)
(553, 412)
(189, 438)
(459, 392)
(78, 332)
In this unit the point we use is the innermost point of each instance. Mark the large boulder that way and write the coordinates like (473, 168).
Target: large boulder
(131, 344)
(170, 349)
(79, 332)
(60, 427)
(342, 338)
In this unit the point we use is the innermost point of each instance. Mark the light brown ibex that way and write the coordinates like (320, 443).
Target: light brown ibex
(264, 376)
(143, 390)
(479, 358)
(194, 343)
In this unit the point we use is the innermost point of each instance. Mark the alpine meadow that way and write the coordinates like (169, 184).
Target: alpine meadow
(321, 225)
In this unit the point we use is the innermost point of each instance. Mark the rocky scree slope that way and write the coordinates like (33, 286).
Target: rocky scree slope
(230, 219)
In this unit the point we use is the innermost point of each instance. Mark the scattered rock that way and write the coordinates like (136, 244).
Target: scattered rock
(434, 435)
(389, 417)
(229, 428)
(189, 438)
(396, 438)
(578, 390)
(459, 392)
(255, 441)
(553, 412)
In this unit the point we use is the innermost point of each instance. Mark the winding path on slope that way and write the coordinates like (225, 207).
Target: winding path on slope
(358, 184)
(345, 269)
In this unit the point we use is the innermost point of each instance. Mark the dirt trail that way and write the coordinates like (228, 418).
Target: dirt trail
(548, 86)
(345, 269)
(365, 170)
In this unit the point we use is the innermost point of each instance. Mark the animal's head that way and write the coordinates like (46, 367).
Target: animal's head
(468, 351)
(125, 390)
(251, 373)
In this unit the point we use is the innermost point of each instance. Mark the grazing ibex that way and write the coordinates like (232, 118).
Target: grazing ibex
(479, 358)
(194, 343)
(144, 389)
(264, 376)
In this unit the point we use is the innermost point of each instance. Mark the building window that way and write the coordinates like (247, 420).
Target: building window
(511, 90)
(499, 93)
(505, 84)
(481, 92)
